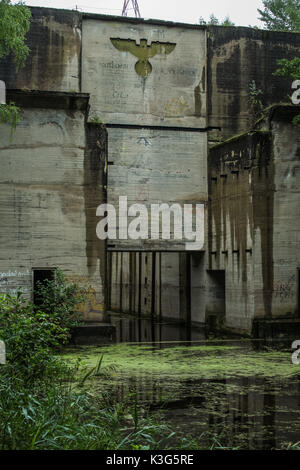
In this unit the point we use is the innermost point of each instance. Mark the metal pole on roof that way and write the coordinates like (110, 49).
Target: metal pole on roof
(135, 7)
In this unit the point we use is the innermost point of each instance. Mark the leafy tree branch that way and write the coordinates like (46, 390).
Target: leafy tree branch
(281, 15)
(14, 25)
(214, 21)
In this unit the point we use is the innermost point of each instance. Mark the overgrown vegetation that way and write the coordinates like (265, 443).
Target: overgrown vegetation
(9, 114)
(290, 69)
(96, 120)
(194, 386)
(14, 25)
(43, 402)
(214, 21)
(29, 335)
(295, 446)
(255, 102)
(32, 334)
(281, 15)
(54, 401)
(51, 415)
(59, 300)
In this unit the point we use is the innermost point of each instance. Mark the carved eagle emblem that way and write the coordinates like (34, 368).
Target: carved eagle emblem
(143, 52)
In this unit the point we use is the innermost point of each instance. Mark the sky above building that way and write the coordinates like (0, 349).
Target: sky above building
(241, 12)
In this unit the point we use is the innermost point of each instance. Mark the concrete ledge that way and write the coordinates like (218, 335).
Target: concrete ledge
(276, 328)
(93, 334)
(48, 99)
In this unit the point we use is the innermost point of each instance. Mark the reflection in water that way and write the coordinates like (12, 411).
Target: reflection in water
(255, 412)
(245, 413)
(144, 330)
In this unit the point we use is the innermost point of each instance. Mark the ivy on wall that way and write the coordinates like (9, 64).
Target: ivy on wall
(10, 114)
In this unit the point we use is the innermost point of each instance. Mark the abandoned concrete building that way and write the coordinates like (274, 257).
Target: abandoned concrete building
(254, 221)
(157, 112)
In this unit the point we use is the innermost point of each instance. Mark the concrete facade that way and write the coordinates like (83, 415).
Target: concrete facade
(172, 94)
(255, 221)
(51, 184)
(235, 57)
(165, 93)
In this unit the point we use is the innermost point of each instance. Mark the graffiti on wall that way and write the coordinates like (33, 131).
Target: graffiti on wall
(12, 282)
(285, 290)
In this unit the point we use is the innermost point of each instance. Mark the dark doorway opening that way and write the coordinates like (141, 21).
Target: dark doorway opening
(41, 275)
(298, 291)
(216, 302)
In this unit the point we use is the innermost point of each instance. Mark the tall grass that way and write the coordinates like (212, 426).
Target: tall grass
(43, 405)
(52, 415)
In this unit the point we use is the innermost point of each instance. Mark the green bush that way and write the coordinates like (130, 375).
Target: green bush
(29, 336)
(291, 69)
(58, 299)
(31, 333)
(42, 405)
(9, 114)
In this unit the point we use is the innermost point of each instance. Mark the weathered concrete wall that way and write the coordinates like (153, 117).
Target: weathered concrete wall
(198, 285)
(286, 216)
(149, 284)
(50, 185)
(254, 220)
(68, 47)
(173, 93)
(54, 61)
(215, 298)
(138, 73)
(151, 164)
(241, 192)
(236, 56)
(154, 167)
(158, 284)
(158, 85)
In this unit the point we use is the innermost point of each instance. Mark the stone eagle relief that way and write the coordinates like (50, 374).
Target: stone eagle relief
(143, 52)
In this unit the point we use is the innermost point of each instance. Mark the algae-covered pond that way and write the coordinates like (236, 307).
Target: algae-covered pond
(241, 391)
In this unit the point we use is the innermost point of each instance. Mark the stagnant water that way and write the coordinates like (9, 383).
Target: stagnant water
(245, 392)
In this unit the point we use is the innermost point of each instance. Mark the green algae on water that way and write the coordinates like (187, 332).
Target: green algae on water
(188, 362)
(248, 398)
